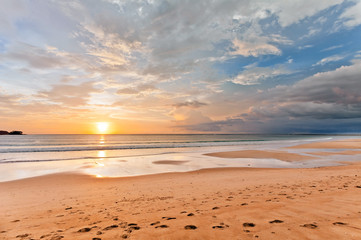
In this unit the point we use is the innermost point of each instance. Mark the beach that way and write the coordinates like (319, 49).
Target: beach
(217, 203)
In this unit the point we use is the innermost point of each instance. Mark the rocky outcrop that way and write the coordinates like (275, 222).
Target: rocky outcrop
(16, 133)
(2, 132)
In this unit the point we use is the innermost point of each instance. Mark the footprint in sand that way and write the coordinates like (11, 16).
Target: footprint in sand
(276, 221)
(23, 235)
(110, 227)
(309, 225)
(154, 223)
(133, 226)
(162, 226)
(190, 214)
(220, 226)
(190, 227)
(57, 238)
(84, 229)
(339, 223)
(248, 224)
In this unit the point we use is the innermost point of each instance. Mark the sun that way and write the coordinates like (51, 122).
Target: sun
(102, 127)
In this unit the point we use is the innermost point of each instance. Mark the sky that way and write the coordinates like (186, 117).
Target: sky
(147, 66)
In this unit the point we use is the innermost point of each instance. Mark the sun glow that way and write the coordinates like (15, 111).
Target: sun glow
(102, 127)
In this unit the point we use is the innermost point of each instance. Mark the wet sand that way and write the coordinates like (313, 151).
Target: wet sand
(228, 203)
(340, 144)
(280, 155)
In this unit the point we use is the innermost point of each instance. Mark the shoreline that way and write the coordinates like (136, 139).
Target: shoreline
(215, 203)
(273, 154)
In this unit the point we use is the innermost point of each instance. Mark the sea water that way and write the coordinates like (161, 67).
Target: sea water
(23, 156)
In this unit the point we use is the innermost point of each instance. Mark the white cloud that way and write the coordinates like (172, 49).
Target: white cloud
(255, 75)
(332, 48)
(253, 48)
(326, 60)
(290, 12)
(352, 15)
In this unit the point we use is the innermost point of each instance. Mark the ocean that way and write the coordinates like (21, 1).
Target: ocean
(24, 156)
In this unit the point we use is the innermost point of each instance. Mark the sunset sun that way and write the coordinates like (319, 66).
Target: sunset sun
(102, 127)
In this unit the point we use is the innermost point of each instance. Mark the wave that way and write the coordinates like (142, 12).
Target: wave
(123, 147)
(3, 161)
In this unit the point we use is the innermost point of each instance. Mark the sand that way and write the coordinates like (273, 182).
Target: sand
(341, 144)
(280, 155)
(228, 203)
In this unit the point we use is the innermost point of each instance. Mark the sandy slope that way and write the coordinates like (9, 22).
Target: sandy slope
(232, 203)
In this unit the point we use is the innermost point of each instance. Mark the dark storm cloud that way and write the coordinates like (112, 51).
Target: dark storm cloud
(316, 102)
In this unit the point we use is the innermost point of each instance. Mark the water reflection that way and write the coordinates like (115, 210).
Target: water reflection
(102, 140)
(101, 156)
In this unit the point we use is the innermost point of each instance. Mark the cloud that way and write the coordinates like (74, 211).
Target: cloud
(35, 57)
(69, 95)
(253, 49)
(285, 10)
(255, 75)
(309, 105)
(352, 15)
(339, 86)
(142, 88)
(190, 104)
(154, 59)
(326, 60)
(332, 48)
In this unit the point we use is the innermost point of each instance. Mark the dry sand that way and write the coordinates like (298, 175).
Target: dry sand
(229, 203)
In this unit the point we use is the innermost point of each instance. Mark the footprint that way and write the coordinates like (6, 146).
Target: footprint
(276, 221)
(339, 223)
(84, 229)
(190, 214)
(309, 225)
(155, 223)
(110, 227)
(221, 226)
(247, 224)
(162, 226)
(190, 227)
(23, 235)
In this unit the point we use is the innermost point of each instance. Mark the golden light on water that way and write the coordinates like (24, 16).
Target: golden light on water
(101, 154)
(102, 127)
